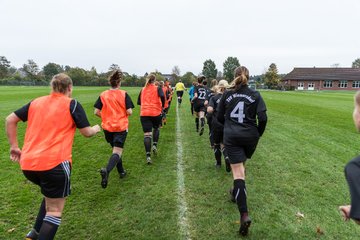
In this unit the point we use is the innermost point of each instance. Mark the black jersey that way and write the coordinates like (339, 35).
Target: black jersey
(202, 93)
(238, 110)
(214, 102)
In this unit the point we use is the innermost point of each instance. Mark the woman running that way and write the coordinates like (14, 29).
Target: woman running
(217, 129)
(209, 116)
(180, 88)
(152, 101)
(243, 113)
(200, 99)
(191, 94)
(166, 105)
(45, 158)
(114, 106)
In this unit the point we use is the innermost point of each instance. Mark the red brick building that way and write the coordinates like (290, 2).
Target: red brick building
(322, 79)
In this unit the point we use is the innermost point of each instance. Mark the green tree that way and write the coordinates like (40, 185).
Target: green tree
(188, 78)
(209, 69)
(4, 67)
(79, 76)
(31, 69)
(229, 66)
(356, 63)
(114, 67)
(271, 77)
(51, 69)
(175, 72)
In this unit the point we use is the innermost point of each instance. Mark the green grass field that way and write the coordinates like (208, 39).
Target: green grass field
(298, 167)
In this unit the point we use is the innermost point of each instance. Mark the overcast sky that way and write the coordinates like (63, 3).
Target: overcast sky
(143, 35)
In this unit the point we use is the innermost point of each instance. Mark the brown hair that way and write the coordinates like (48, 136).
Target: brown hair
(60, 83)
(213, 83)
(241, 75)
(150, 79)
(115, 78)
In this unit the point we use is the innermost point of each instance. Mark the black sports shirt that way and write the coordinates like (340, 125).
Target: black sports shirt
(239, 110)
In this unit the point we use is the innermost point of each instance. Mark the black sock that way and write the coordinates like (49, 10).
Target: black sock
(217, 153)
(224, 152)
(180, 100)
(197, 123)
(113, 161)
(40, 216)
(211, 138)
(202, 122)
(156, 135)
(147, 144)
(49, 227)
(240, 195)
(119, 166)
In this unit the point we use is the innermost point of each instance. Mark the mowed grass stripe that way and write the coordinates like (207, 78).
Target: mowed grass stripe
(183, 221)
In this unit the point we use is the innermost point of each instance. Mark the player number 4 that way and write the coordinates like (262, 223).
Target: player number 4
(238, 112)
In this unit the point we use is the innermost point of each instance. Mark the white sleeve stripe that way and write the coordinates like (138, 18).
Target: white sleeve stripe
(74, 106)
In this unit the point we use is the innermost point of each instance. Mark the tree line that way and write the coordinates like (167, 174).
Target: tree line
(31, 74)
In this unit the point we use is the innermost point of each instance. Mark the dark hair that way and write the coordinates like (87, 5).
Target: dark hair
(241, 76)
(150, 79)
(60, 83)
(115, 78)
(204, 82)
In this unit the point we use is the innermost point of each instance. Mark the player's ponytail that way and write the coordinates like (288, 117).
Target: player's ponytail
(150, 79)
(241, 75)
(115, 78)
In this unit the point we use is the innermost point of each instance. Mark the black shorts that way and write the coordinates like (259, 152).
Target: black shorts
(240, 153)
(179, 93)
(54, 183)
(199, 106)
(148, 123)
(116, 139)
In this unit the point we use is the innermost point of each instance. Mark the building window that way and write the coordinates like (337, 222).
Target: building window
(311, 85)
(343, 84)
(300, 84)
(356, 84)
(328, 84)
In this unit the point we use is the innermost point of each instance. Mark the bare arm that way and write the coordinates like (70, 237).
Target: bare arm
(11, 131)
(90, 131)
(97, 112)
(210, 109)
(356, 118)
(129, 111)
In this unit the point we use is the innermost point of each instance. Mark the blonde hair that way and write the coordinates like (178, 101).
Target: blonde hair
(150, 79)
(115, 78)
(222, 85)
(60, 83)
(213, 83)
(241, 75)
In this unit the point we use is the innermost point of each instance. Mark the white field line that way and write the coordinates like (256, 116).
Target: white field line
(183, 221)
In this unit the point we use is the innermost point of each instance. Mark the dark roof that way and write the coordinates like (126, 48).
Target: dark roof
(323, 74)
